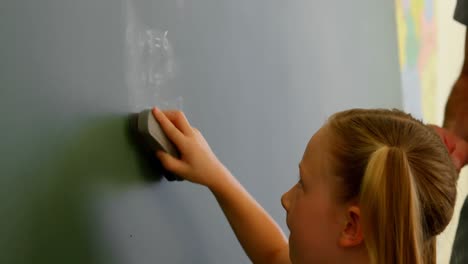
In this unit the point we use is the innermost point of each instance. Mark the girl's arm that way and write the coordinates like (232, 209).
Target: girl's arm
(260, 237)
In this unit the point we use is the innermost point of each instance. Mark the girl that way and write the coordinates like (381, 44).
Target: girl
(376, 186)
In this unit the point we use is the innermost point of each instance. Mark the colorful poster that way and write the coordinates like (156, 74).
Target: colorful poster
(416, 27)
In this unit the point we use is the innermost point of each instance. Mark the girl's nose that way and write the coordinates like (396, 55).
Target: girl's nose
(285, 202)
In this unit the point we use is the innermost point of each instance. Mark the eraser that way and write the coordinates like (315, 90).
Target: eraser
(153, 135)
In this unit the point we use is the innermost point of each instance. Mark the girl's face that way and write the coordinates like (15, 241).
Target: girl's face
(313, 216)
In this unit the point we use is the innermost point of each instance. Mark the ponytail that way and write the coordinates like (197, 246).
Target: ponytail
(430, 252)
(391, 208)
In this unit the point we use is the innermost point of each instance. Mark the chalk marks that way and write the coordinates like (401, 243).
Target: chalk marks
(155, 57)
(150, 64)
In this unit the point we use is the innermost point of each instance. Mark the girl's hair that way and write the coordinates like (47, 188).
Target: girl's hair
(401, 174)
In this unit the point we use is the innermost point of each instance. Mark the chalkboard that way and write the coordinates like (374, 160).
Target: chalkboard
(258, 78)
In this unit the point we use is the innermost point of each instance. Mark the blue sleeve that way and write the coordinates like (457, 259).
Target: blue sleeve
(461, 12)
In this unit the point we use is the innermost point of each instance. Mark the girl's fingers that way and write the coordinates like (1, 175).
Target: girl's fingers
(172, 164)
(179, 120)
(172, 132)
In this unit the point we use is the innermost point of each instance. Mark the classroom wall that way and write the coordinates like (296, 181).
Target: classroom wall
(258, 78)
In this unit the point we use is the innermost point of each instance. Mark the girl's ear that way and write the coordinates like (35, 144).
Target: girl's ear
(352, 234)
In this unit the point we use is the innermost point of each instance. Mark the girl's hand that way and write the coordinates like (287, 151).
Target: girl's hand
(456, 146)
(197, 163)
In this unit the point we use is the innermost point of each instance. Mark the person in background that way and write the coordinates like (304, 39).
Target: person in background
(455, 135)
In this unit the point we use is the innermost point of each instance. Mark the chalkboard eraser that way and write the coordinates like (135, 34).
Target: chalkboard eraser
(153, 137)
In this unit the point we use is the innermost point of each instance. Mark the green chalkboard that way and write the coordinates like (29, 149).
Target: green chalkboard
(256, 77)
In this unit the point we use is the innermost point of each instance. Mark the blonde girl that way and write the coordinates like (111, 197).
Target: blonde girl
(376, 186)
